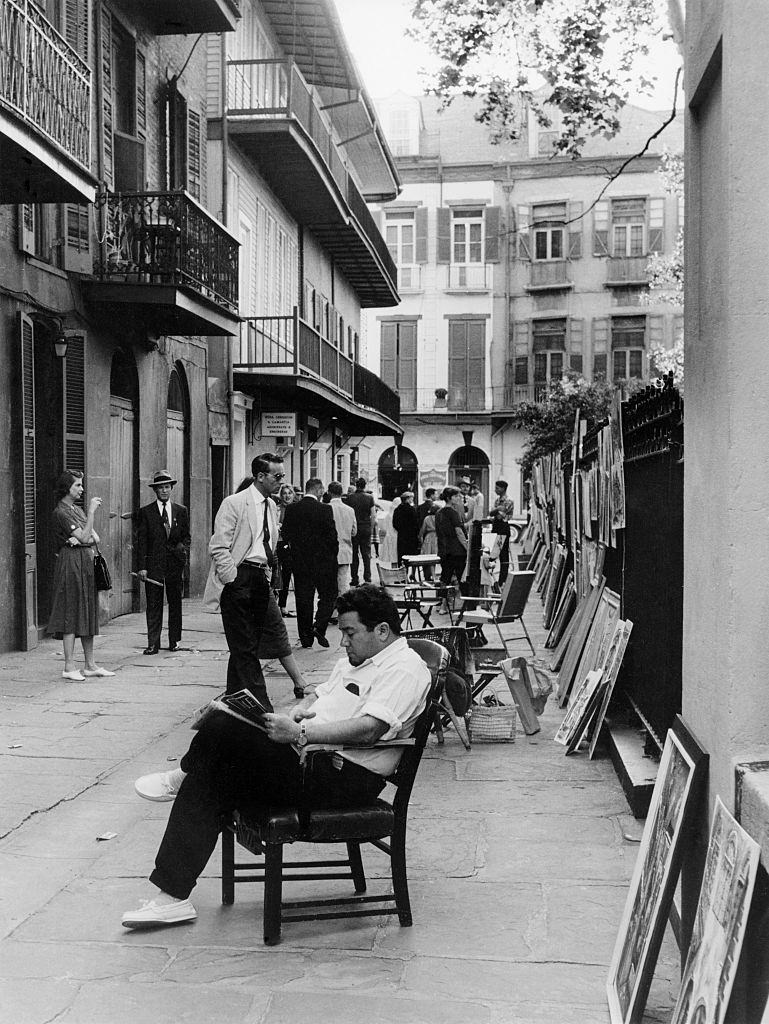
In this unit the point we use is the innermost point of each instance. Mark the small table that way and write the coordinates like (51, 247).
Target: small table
(420, 562)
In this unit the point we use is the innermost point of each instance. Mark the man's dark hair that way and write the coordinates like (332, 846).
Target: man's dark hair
(360, 483)
(373, 605)
(429, 493)
(335, 489)
(261, 463)
(313, 484)
(501, 483)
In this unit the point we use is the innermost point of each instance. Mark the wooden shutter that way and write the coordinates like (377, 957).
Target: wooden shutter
(656, 225)
(27, 216)
(476, 361)
(74, 404)
(600, 334)
(76, 26)
(443, 234)
(27, 334)
(574, 216)
(522, 335)
(656, 331)
(576, 342)
(388, 356)
(601, 229)
(492, 220)
(141, 95)
(407, 363)
(458, 355)
(77, 238)
(421, 234)
(194, 151)
(108, 144)
(524, 241)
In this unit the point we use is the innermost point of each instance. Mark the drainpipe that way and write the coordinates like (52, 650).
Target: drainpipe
(230, 341)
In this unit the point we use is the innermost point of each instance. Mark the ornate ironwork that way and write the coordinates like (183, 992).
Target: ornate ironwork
(44, 80)
(168, 238)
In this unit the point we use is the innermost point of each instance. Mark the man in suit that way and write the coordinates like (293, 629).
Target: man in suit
(242, 549)
(309, 530)
(346, 529)
(362, 503)
(423, 510)
(163, 544)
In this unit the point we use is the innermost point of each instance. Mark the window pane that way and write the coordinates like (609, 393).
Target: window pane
(540, 366)
(540, 244)
(556, 365)
(636, 364)
(459, 233)
(620, 241)
(556, 238)
(636, 239)
(619, 366)
(475, 252)
(475, 232)
(407, 233)
(459, 254)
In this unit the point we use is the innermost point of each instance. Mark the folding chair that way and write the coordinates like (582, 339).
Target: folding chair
(508, 606)
(409, 597)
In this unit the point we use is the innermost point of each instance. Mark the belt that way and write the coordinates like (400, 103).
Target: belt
(256, 565)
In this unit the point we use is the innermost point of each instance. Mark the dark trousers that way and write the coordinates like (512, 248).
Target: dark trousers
(504, 561)
(232, 766)
(243, 606)
(284, 558)
(361, 549)
(173, 590)
(451, 566)
(306, 585)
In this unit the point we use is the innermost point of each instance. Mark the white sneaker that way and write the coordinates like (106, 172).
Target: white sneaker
(76, 676)
(156, 914)
(159, 787)
(98, 671)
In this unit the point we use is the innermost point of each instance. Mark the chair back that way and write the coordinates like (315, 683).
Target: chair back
(515, 595)
(437, 660)
(456, 641)
(392, 577)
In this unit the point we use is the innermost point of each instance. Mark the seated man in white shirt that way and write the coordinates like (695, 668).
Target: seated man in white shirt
(376, 693)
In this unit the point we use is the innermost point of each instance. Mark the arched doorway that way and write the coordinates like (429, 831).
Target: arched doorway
(123, 445)
(178, 434)
(397, 472)
(471, 461)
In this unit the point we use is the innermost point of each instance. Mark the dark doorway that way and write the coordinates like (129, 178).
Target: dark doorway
(398, 470)
(471, 461)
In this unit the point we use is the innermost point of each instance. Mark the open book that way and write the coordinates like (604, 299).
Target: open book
(242, 705)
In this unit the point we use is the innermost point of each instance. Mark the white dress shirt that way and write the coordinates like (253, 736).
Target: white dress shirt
(169, 511)
(257, 552)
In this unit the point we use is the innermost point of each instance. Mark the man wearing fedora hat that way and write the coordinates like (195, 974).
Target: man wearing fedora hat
(163, 544)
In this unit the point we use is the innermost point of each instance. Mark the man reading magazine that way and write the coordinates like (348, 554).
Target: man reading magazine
(376, 692)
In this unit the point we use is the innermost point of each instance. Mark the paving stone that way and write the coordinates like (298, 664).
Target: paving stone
(160, 1003)
(34, 1002)
(354, 1008)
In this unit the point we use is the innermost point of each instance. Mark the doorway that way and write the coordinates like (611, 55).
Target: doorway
(178, 434)
(474, 463)
(123, 441)
(398, 470)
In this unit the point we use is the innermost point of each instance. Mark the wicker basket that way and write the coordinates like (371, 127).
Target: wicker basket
(495, 724)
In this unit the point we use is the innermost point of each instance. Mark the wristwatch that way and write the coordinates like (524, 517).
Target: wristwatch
(302, 741)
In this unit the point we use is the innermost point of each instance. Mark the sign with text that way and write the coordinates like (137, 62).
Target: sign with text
(432, 478)
(278, 424)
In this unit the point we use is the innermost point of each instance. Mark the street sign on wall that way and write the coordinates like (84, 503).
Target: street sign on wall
(278, 424)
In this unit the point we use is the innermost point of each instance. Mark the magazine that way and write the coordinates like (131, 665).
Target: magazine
(242, 705)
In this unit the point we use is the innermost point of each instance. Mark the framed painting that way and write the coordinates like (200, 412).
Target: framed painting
(609, 667)
(650, 896)
(613, 663)
(579, 702)
(582, 626)
(719, 923)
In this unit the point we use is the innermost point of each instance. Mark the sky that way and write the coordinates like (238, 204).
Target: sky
(389, 61)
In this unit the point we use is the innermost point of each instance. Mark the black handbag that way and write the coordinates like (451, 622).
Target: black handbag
(101, 574)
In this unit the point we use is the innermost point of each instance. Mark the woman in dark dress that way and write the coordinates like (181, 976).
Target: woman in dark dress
(75, 610)
(452, 536)
(406, 525)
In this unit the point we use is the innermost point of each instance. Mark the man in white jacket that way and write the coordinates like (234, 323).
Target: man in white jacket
(346, 529)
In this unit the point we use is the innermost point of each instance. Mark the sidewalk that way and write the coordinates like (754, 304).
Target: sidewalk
(518, 868)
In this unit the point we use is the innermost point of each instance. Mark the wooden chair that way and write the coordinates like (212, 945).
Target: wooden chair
(508, 606)
(409, 597)
(266, 836)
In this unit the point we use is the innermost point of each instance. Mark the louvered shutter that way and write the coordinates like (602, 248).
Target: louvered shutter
(601, 229)
(656, 331)
(457, 363)
(476, 363)
(576, 343)
(388, 358)
(524, 242)
(443, 234)
(76, 26)
(108, 142)
(194, 150)
(27, 215)
(407, 364)
(29, 458)
(656, 225)
(74, 404)
(421, 234)
(492, 218)
(141, 95)
(77, 238)
(575, 225)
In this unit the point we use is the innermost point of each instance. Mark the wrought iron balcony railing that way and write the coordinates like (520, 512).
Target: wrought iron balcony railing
(44, 81)
(624, 270)
(469, 277)
(372, 392)
(168, 238)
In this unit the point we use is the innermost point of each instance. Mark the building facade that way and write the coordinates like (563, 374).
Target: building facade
(514, 267)
(170, 168)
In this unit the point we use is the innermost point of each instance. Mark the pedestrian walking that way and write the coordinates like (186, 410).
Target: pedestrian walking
(425, 507)
(406, 526)
(309, 529)
(346, 530)
(163, 545)
(242, 552)
(388, 545)
(75, 608)
(286, 496)
(362, 503)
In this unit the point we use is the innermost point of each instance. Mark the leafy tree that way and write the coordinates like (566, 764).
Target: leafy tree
(585, 51)
(550, 424)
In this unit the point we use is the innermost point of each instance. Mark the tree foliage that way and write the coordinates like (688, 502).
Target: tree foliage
(502, 51)
(550, 424)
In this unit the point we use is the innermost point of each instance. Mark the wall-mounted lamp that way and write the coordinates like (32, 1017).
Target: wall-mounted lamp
(54, 328)
(60, 344)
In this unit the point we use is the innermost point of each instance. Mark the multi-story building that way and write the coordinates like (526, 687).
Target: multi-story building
(514, 266)
(138, 226)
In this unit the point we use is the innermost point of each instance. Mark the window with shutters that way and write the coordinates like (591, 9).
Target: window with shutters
(182, 143)
(549, 345)
(549, 230)
(467, 236)
(41, 227)
(400, 235)
(628, 227)
(467, 364)
(398, 360)
(628, 341)
(124, 106)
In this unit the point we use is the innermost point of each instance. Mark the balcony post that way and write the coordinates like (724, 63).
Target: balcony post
(296, 339)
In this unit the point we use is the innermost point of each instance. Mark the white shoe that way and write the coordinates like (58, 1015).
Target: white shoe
(98, 671)
(76, 676)
(155, 914)
(158, 787)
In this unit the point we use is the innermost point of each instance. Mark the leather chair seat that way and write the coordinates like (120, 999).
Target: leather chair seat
(324, 826)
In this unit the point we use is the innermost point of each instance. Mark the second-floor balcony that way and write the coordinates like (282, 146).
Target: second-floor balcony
(409, 277)
(470, 399)
(165, 261)
(183, 17)
(469, 277)
(278, 120)
(549, 275)
(285, 354)
(622, 271)
(45, 111)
